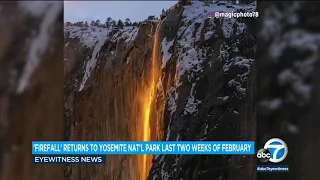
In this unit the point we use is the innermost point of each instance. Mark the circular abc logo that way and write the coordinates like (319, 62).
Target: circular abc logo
(275, 150)
(263, 155)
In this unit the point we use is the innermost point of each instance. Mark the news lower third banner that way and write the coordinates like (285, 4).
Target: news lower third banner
(166, 147)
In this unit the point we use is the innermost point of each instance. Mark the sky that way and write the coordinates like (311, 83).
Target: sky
(92, 10)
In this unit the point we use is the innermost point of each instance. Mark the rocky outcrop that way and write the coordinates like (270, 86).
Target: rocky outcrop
(31, 95)
(198, 73)
(206, 86)
(107, 99)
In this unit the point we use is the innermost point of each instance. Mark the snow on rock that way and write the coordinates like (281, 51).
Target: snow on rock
(190, 57)
(237, 61)
(128, 34)
(165, 46)
(196, 51)
(172, 97)
(88, 36)
(94, 38)
(227, 26)
(239, 82)
(238, 64)
(92, 63)
(39, 43)
(192, 103)
(208, 35)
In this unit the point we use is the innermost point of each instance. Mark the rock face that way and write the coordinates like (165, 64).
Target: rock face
(186, 77)
(206, 86)
(104, 95)
(31, 76)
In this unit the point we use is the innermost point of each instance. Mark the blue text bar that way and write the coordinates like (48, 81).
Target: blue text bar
(130, 147)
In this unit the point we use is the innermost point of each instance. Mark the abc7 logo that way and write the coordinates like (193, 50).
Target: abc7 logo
(278, 155)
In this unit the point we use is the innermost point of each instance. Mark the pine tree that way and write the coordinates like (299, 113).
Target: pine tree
(68, 24)
(86, 24)
(92, 23)
(97, 23)
(120, 24)
(127, 22)
(151, 17)
(108, 22)
(113, 23)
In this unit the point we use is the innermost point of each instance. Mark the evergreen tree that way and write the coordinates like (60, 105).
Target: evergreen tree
(97, 23)
(151, 17)
(127, 22)
(135, 24)
(108, 22)
(120, 24)
(113, 23)
(68, 24)
(86, 24)
(92, 23)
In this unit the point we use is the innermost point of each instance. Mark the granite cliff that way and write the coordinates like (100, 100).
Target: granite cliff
(185, 77)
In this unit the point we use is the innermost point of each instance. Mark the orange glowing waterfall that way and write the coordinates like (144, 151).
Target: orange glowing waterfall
(149, 95)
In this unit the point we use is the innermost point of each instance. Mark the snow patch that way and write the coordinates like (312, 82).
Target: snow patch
(165, 46)
(224, 98)
(208, 35)
(172, 97)
(227, 26)
(38, 44)
(88, 36)
(127, 34)
(237, 61)
(192, 103)
(92, 63)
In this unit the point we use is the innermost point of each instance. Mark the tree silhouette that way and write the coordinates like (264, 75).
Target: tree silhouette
(86, 24)
(127, 22)
(92, 23)
(113, 23)
(108, 22)
(120, 24)
(97, 23)
(151, 17)
(68, 24)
